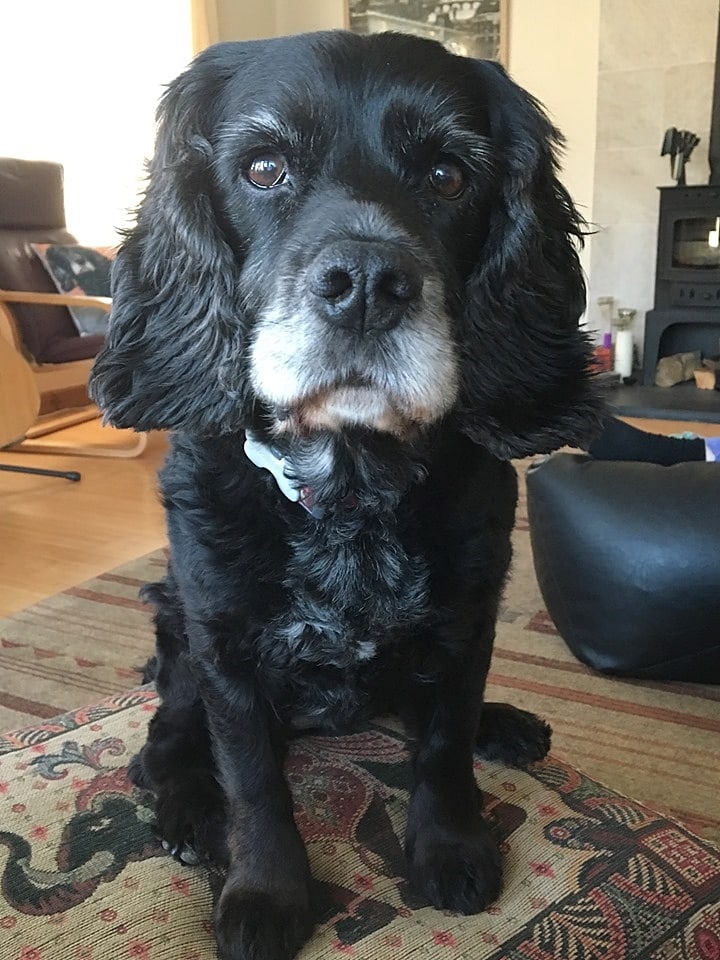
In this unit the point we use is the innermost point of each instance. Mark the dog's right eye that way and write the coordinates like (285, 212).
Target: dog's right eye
(448, 179)
(267, 170)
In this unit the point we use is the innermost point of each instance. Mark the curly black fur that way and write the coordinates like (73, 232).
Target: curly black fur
(396, 346)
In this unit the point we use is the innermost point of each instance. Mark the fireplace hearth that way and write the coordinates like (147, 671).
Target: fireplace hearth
(686, 315)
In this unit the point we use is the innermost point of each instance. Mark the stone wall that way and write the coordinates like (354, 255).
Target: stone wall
(655, 70)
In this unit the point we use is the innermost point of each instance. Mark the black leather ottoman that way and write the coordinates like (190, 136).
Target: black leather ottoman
(627, 556)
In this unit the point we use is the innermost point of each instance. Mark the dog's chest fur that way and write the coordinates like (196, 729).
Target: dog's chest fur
(325, 598)
(354, 580)
(350, 583)
(353, 589)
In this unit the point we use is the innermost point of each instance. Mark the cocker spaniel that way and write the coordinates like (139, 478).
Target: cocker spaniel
(352, 294)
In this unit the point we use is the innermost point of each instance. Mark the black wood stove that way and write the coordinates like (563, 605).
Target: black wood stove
(686, 314)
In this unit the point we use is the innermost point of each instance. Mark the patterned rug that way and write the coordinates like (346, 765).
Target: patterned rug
(656, 742)
(589, 875)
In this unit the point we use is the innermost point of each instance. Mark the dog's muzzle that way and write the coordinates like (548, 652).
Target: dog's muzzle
(355, 331)
(364, 287)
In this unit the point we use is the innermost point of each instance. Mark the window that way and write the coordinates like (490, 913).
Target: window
(81, 81)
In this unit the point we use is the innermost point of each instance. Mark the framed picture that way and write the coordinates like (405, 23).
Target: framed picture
(470, 28)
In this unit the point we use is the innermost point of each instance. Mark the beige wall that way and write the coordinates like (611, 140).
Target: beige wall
(274, 18)
(297, 16)
(245, 21)
(554, 54)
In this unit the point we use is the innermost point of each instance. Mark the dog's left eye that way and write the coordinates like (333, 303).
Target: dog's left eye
(448, 179)
(267, 170)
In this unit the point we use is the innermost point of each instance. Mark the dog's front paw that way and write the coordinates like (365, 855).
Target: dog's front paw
(512, 736)
(460, 871)
(190, 821)
(260, 926)
(137, 774)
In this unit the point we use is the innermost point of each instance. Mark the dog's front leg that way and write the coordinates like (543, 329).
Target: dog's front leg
(453, 857)
(263, 912)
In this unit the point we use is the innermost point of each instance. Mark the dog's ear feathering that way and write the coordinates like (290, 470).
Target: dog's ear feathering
(527, 386)
(175, 318)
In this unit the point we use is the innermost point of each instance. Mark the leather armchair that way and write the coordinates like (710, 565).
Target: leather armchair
(35, 320)
(33, 316)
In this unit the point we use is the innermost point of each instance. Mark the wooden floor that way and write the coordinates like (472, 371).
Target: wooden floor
(54, 534)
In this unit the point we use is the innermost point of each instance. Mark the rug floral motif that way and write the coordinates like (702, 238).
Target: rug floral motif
(589, 875)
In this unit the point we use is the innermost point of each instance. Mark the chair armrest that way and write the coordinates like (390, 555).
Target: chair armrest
(55, 299)
(9, 331)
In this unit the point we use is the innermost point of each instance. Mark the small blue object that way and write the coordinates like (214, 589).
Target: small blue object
(712, 448)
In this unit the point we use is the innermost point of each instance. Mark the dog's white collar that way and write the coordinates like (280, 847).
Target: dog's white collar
(266, 457)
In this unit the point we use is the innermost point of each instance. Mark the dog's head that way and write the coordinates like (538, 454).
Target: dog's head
(350, 231)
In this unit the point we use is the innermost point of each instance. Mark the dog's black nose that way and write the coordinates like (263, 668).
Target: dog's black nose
(364, 286)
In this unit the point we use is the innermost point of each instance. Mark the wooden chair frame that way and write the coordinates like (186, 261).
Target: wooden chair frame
(53, 379)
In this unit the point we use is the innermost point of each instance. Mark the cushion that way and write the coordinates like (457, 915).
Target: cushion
(47, 332)
(628, 561)
(589, 874)
(76, 269)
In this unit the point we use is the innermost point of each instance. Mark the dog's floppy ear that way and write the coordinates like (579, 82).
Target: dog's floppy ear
(526, 384)
(175, 321)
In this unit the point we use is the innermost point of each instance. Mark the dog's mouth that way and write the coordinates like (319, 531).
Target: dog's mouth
(355, 401)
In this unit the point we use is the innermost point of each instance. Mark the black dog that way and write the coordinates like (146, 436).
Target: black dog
(354, 265)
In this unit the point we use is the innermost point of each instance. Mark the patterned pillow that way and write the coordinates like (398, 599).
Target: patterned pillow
(80, 270)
